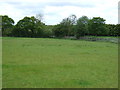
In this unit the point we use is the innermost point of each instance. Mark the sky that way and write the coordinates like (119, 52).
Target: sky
(54, 11)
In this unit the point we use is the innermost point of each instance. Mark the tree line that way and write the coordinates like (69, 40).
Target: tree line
(70, 26)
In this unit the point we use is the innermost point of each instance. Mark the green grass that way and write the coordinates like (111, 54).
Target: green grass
(59, 63)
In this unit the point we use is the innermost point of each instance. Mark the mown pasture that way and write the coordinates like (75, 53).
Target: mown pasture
(58, 63)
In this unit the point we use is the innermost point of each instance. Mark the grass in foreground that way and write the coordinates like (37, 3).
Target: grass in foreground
(57, 63)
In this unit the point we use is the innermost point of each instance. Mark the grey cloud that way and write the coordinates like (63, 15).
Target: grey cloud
(30, 5)
(13, 3)
(78, 4)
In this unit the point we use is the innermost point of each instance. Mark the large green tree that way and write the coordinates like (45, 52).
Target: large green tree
(69, 24)
(118, 30)
(66, 27)
(29, 27)
(59, 31)
(113, 30)
(7, 25)
(82, 26)
(0, 26)
(48, 31)
(97, 26)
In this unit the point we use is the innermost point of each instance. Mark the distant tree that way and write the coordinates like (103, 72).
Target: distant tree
(66, 26)
(39, 28)
(40, 17)
(70, 26)
(0, 26)
(24, 27)
(97, 26)
(117, 30)
(29, 27)
(82, 26)
(113, 30)
(59, 31)
(7, 25)
(71, 21)
(48, 31)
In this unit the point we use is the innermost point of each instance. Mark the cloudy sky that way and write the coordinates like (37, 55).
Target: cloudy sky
(56, 10)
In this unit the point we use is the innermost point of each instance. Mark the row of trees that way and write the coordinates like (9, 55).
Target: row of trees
(85, 26)
(71, 26)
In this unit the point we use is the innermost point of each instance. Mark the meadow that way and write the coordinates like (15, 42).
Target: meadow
(58, 63)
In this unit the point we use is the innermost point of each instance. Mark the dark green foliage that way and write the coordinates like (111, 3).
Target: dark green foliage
(97, 26)
(0, 26)
(29, 27)
(66, 27)
(118, 29)
(7, 25)
(59, 31)
(114, 30)
(48, 32)
(71, 22)
(82, 26)
(33, 27)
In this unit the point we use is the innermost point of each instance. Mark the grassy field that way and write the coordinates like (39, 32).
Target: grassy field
(59, 63)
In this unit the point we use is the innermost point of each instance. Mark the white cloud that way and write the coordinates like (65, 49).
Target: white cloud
(54, 11)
